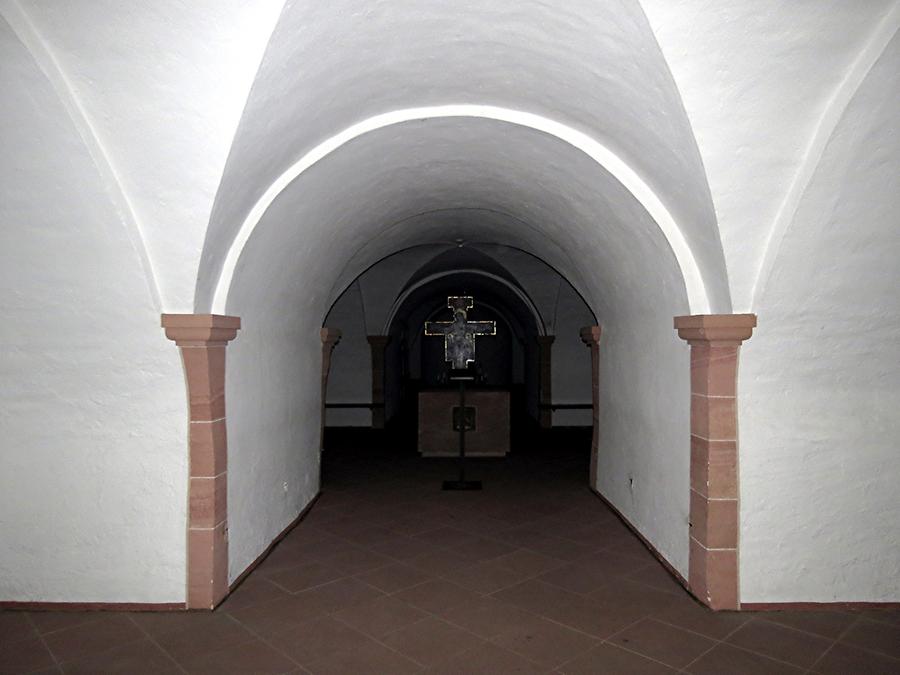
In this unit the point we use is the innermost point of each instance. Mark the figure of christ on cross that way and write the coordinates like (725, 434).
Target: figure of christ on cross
(459, 334)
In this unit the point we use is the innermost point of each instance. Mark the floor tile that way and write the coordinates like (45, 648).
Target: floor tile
(544, 641)
(536, 596)
(563, 549)
(844, 659)
(607, 658)
(884, 615)
(394, 577)
(662, 642)
(23, 656)
(724, 658)
(135, 657)
(208, 633)
(413, 525)
(658, 577)
(380, 616)
(431, 641)
(403, 548)
(437, 596)
(587, 576)
(780, 642)
(529, 563)
(691, 615)
(364, 657)
(632, 546)
(48, 622)
(271, 617)
(637, 598)
(250, 657)
(487, 659)
(483, 548)
(89, 639)
(15, 626)
(446, 537)
(875, 636)
(486, 617)
(316, 639)
(828, 624)
(295, 579)
(254, 590)
(439, 562)
(355, 561)
(486, 577)
(338, 595)
(366, 534)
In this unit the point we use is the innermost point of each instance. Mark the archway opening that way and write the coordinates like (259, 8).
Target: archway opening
(423, 187)
(533, 374)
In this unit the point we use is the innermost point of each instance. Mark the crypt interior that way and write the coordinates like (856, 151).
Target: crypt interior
(233, 235)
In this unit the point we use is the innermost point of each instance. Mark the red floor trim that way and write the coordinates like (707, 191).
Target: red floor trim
(812, 606)
(40, 606)
(262, 556)
(656, 554)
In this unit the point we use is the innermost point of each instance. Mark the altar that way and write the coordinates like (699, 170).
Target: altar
(486, 417)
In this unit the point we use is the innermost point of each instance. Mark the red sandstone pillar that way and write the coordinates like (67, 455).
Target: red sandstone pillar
(590, 335)
(545, 344)
(715, 341)
(330, 338)
(202, 339)
(378, 343)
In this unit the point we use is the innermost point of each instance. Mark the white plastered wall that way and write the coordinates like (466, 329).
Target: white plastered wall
(162, 86)
(759, 81)
(93, 467)
(820, 506)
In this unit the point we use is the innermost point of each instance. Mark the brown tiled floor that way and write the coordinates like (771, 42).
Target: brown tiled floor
(388, 574)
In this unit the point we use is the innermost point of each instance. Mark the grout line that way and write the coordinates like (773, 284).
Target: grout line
(835, 642)
(158, 646)
(765, 617)
(40, 637)
(375, 639)
(218, 419)
(208, 477)
(694, 539)
(265, 641)
(717, 642)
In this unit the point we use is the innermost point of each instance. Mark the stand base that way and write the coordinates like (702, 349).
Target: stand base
(462, 485)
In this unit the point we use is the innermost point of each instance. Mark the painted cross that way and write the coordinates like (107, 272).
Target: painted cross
(459, 334)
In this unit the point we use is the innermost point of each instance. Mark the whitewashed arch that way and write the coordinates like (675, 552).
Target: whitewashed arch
(695, 287)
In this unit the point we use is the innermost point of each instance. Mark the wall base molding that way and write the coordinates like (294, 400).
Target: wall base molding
(281, 535)
(813, 606)
(39, 606)
(650, 547)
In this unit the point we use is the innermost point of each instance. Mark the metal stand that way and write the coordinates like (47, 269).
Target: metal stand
(462, 483)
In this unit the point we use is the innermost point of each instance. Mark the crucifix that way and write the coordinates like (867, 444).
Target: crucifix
(459, 351)
(459, 334)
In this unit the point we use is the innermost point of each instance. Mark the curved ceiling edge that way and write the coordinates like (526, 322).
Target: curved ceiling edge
(698, 297)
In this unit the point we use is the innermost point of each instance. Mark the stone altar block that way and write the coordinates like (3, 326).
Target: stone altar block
(439, 438)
